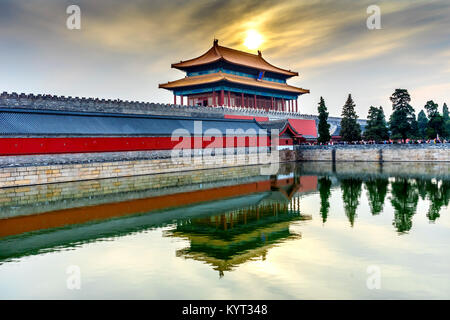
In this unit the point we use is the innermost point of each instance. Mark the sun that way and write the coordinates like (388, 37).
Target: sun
(253, 40)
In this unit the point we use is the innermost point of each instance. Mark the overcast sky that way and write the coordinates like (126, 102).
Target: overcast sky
(124, 48)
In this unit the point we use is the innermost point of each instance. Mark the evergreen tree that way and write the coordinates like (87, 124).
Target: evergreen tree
(350, 128)
(446, 117)
(402, 119)
(404, 199)
(324, 126)
(325, 193)
(436, 121)
(351, 191)
(376, 128)
(414, 128)
(445, 113)
(422, 122)
(376, 193)
(437, 199)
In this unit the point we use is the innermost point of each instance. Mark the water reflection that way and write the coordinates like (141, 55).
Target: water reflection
(227, 240)
(377, 190)
(325, 193)
(227, 216)
(351, 191)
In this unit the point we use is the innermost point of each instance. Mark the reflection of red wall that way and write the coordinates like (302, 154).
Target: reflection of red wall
(65, 217)
(308, 183)
(23, 146)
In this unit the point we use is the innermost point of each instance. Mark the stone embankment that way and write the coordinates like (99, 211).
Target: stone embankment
(375, 152)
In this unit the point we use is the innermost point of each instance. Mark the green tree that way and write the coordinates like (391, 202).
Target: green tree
(446, 117)
(376, 193)
(376, 128)
(436, 201)
(404, 199)
(325, 192)
(414, 128)
(402, 118)
(436, 121)
(445, 113)
(350, 128)
(324, 126)
(351, 191)
(422, 122)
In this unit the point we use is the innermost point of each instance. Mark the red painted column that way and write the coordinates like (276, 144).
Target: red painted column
(222, 99)
(229, 99)
(181, 99)
(271, 103)
(296, 105)
(255, 103)
(283, 105)
(213, 98)
(174, 98)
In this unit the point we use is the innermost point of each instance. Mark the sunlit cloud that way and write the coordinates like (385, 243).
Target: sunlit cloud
(327, 42)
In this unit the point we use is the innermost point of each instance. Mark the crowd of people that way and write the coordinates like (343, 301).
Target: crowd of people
(390, 141)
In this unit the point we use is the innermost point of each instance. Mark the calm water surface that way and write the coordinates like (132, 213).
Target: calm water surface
(314, 231)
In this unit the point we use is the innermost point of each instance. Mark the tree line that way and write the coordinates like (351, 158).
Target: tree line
(402, 124)
(404, 197)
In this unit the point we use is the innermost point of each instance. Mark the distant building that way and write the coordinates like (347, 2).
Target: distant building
(232, 78)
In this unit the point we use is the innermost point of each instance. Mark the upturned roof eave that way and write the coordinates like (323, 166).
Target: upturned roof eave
(224, 77)
(215, 49)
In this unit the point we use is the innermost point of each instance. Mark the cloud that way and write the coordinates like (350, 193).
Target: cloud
(326, 41)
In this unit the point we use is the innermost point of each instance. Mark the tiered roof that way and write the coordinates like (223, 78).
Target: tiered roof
(217, 53)
(221, 76)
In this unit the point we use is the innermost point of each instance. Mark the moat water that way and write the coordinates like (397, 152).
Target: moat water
(313, 231)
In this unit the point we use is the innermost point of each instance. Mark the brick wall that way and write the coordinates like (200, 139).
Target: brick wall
(35, 174)
(23, 200)
(377, 153)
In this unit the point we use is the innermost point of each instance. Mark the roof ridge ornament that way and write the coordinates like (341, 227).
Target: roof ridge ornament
(216, 42)
(259, 54)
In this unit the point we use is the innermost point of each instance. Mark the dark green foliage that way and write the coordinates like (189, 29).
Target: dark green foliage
(446, 117)
(405, 197)
(402, 119)
(376, 193)
(436, 121)
(376, 128)
(445, 113)
(351, 191)
(325, 192)
(350, 128)
(324, 126)
(414, 129)
(422, 123)
(438, 196)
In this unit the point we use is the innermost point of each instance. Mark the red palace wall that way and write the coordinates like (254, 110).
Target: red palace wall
(28, 146)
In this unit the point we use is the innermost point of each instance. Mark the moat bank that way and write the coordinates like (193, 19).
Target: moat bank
(44, 169)
(377, 152)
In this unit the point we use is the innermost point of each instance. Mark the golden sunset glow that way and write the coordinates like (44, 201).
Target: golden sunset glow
(319, 39)
(253, 40)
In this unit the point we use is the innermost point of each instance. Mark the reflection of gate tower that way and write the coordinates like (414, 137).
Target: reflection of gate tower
(227, 240)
